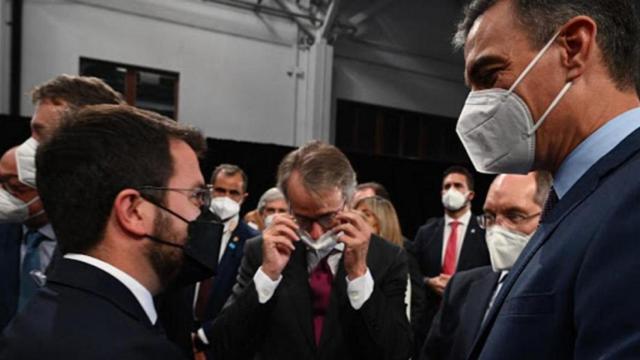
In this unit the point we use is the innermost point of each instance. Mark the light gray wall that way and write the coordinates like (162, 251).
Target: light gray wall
(231, 86)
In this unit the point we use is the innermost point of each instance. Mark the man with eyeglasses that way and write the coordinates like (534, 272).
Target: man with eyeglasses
(317, 284)
(229, 190)
(123, 189)
(511, 214)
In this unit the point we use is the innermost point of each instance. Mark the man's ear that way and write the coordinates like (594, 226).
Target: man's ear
(472, 194)
(133, 214)
(578, 41)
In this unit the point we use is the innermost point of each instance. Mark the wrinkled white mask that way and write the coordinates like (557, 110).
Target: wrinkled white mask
(454, 200)
(26, 162)
(504, 246)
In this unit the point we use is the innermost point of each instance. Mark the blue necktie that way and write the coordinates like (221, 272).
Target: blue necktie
(30, 262)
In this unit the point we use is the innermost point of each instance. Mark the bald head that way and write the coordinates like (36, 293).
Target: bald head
(8, 164)
(514, 200)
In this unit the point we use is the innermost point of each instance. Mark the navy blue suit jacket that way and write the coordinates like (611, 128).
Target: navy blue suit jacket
(84, 313)
(10, 239)
(458, 321)
(574, 293)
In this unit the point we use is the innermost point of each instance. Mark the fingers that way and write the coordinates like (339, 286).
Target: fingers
(283, 244)
(282, 226)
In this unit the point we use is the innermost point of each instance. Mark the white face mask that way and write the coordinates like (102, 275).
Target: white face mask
(224, 207)
(454, 200)
(268, 220)
(504, 246)
(324, 244)
(26, 162)
(14, 210)
(497, 129)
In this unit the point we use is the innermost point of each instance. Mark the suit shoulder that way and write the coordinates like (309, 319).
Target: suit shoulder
(245, 231)
(472, 274)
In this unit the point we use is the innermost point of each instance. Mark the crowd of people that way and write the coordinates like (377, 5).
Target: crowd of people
(114, 246)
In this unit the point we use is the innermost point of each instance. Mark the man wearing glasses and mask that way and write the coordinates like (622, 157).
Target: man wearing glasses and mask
(123, 190)
(317, 284)
(511, 214)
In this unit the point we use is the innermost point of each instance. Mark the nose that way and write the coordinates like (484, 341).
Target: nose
(316, 231)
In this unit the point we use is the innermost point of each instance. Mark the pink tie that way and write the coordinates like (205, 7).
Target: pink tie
(320, 281)
(449, 263)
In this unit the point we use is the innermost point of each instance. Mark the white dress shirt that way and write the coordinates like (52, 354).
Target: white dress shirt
(462, 230)
(359, 290)
(138, 290)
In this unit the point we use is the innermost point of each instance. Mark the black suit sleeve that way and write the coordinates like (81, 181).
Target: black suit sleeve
(238, 330)
(436, 339)
(381, 328)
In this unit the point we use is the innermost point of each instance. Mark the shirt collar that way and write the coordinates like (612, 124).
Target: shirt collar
(138, 290)
(463, 220)
(593, 148)
(46, 230)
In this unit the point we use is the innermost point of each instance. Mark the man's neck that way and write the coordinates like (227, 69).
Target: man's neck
(458, 213)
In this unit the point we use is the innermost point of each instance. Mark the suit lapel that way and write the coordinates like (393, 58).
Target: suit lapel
(578, 193)
(298, 291)
(434, 249)
(479, 295)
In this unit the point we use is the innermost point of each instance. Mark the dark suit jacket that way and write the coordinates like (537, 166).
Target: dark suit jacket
(10, 241)
(84, 313)
(573, 292)
(458, 321)
(427, 250)
(282, 328)
(175, 308)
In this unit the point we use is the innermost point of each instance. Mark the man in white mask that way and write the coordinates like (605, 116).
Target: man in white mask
(447, 244)
(511, 215)
(554, 87)
(229, 190)
(27, 241)
(317, 284)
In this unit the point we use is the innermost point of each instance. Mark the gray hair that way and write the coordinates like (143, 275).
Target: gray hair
(270, 195)
(617, 37)
(321, 167)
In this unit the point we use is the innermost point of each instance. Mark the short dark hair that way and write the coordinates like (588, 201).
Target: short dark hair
(77, 91)
(457, 169)
(97, 152)
(377, 188)
(230, 170)
(544, 180)
(618, 28)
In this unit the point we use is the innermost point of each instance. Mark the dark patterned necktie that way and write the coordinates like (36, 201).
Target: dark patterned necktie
(320, 281)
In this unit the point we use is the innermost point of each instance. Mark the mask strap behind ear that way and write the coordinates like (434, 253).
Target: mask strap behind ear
(533, 62)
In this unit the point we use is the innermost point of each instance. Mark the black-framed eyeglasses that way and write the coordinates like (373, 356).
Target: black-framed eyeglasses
(513, 218)
(200, 196)
(326, 221)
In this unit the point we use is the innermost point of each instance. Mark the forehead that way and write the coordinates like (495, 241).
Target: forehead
(276, 203)
(46, 117)
(224, 179)
(496, 33)
(454, 178)
(8, 165)
(308, 203)
(186, 169)
(511, 191)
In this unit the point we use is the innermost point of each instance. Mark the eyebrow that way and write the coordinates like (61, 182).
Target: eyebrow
(472, 76)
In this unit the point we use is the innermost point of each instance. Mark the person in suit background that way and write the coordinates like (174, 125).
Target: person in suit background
(447, 244)
(553, 87)
(317, 283)
(381, 215)
(27, 240)
(272, 202)
(370, 189)
(123, 190)
(511, 214)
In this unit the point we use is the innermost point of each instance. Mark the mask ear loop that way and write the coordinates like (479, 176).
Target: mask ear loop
(554, 103)
(533, 62)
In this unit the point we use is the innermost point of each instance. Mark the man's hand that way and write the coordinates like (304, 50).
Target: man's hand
(356, 235)
(438, 283)
(277, 245)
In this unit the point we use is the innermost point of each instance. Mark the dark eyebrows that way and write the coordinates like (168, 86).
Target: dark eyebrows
(474, 74)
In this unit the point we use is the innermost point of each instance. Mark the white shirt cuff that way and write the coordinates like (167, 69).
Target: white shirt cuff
(202, 336)
(264, 285)
(360, 289)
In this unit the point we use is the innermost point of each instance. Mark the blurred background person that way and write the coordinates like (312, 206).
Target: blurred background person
(271, 202)
(369, 189)
(381, 215)
(511, 215)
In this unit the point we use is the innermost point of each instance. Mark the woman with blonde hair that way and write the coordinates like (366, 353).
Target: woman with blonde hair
(381, 215)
